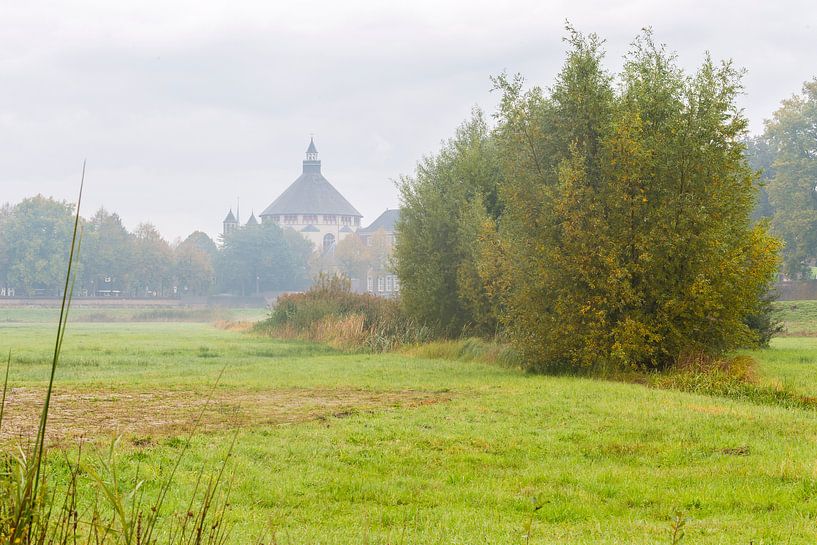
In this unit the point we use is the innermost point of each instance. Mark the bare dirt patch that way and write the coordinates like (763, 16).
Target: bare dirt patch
(99, 414)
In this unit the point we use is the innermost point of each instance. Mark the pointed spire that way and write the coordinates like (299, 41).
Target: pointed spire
(230, 217)
(252, 221)
(312, 163)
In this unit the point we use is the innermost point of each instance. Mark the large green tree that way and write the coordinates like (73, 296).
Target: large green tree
(442, 208)
(626, 237)
(264, 258)
(194, 260)
(5, 216)
(36, 237)
(792, 133)
(108, 254)
(761, 156)
(152, 263)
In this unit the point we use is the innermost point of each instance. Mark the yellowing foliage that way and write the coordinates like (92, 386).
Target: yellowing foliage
(625, 238)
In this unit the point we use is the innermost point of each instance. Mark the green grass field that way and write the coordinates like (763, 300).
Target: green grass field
(798, 317)
(28, 315)
(339, 448)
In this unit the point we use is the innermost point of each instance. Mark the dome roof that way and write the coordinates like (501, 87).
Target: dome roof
(311, 193)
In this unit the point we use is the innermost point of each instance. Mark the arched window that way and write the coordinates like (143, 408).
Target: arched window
(328, 241)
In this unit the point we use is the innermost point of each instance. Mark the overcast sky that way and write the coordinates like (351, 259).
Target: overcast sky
(181, 107)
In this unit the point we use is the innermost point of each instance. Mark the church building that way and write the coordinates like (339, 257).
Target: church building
(311, 206)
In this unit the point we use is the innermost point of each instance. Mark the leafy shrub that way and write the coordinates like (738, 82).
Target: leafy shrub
(765, 322)
(330, 312)
(625, 237)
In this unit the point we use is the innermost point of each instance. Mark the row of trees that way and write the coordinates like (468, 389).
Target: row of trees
(602, 221)
(35, 237)
(786, 156)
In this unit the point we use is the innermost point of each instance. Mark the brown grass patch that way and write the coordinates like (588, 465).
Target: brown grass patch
(230, 325)
(98, 414)
(742, 450)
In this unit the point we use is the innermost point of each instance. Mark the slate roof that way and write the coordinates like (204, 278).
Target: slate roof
(311, 193)
(230, 217)
(386, 221)
(252, 220)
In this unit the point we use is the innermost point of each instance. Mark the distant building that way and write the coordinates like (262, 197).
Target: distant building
(230, 223)
(315, 209)
(385, 223)
(310, 206)
(380, 237)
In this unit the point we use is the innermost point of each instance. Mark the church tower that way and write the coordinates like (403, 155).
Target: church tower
(312, 163)
(313, 207)
(230, 223)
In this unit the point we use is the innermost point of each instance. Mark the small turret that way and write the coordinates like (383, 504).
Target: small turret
(230, 223)
(252, 222)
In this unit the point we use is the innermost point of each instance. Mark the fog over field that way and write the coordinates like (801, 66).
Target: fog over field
(182, 107)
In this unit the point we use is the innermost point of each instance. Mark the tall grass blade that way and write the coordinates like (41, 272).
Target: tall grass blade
(64, 307)
(5, 389)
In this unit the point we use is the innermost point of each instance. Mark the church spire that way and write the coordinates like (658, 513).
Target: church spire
(230, 223)
(311, 151)
(312, 163)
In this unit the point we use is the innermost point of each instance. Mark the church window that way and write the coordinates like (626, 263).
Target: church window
(370, 283)
(381, 284)
(357, 221)
(346, 220)
(328, 241)
(291, 218)
(274, 219)
(390, 283)
(310, 218)
(330, 218)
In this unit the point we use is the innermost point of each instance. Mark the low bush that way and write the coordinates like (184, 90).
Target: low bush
(329, 312)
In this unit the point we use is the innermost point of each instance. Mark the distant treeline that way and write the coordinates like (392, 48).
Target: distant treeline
(35, 237)
(786, 157)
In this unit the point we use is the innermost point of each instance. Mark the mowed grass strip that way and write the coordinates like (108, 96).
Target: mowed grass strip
(604, 462)
(93, 415)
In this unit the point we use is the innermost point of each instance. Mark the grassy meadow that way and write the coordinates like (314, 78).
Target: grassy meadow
(338, 448)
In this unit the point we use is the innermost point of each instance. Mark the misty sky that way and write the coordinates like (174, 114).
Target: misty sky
(182, 106)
